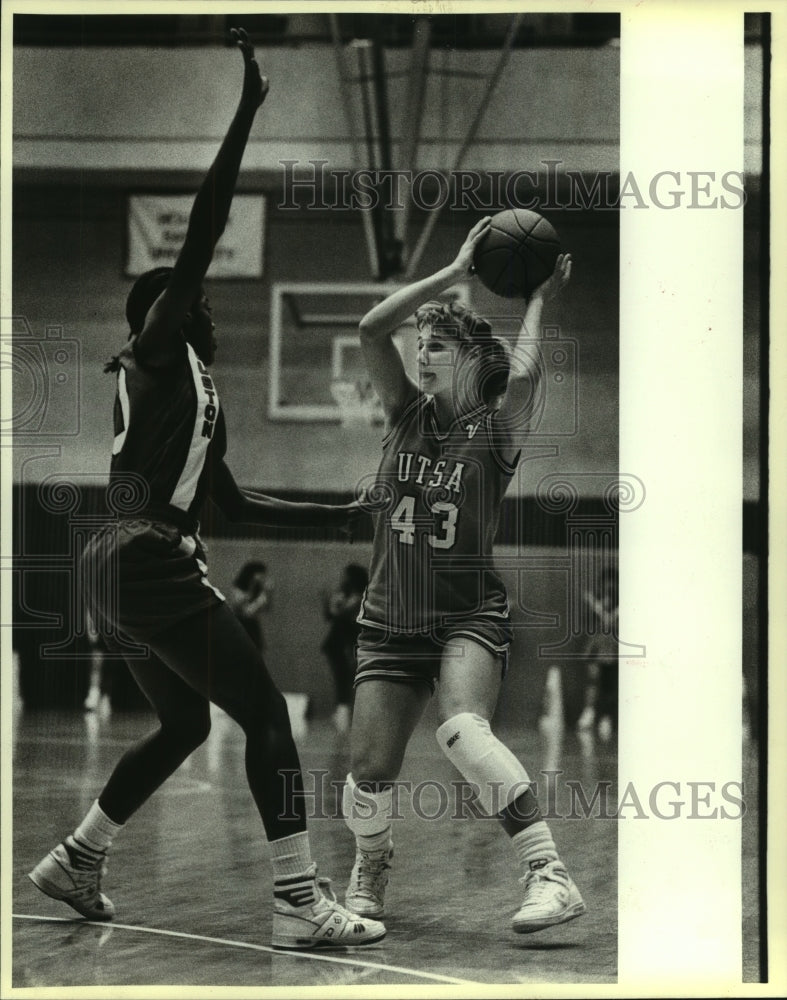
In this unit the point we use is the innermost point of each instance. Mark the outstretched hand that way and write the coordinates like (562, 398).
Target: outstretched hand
(557, 281)
(464, 259)
(255, 86)
(353, 512)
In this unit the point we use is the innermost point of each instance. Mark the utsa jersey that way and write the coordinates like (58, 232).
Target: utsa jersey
(169, 429)
(438, 498)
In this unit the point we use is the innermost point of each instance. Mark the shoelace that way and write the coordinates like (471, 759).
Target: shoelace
(324, 885)
(89, 883)
(90, 861)
(536, 882)
(369, 872)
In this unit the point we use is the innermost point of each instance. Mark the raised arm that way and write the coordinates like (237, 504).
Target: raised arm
(525, 370)
(160, 342)
(258, 508)
(383, 361)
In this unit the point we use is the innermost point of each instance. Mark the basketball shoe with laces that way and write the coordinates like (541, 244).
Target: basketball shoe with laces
(550, 898)
(73, 875)
(307, 915)
(366, 892)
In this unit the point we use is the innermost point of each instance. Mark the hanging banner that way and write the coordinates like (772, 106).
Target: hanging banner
(157, 226)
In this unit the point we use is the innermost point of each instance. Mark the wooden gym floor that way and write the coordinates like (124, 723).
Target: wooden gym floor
(191, 882)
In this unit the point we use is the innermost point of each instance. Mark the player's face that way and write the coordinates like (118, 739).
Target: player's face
(437, 357)
(448, 368)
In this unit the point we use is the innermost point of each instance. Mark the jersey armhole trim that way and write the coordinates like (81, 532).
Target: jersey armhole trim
(416, 401)
(509, 468)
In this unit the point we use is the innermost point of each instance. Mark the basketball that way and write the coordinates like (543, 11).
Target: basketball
(517, 253)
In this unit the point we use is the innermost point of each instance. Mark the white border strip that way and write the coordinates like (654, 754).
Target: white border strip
(682, 104)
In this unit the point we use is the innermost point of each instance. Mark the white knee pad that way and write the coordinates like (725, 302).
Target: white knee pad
(366, 813)
(468, 742)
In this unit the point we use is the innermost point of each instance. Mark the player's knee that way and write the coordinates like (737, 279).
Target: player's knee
(449, 707)
(277, 713)
(256, 708)
(373, 768)
(189, 728)
(482, 760)
(270, 717)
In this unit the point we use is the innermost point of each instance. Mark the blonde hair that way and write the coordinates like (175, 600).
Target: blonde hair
(451, 319)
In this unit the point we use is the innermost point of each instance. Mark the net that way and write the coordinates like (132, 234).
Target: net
(358, 403)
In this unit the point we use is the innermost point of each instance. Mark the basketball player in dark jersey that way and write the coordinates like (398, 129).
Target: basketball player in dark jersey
(146, 581)
(435, 608)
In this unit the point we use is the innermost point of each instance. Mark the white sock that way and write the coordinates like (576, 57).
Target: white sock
(291, 855)
(368, 815)
(97, 830)
(376, 841)
(534, 846)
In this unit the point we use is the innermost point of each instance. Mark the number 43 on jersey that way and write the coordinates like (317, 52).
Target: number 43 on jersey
(446, 514)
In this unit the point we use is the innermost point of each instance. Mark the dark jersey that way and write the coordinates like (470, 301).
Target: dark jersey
(169, 428)
(441, 494)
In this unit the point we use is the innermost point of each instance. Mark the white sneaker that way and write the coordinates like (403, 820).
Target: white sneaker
(366, 892)
(307, 915)
(74, 876)
(550, 898)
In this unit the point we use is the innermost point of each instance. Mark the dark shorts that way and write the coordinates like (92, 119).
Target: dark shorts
(416, 659)
(141, 576)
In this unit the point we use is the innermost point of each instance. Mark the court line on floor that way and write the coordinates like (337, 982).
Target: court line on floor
(249, 946)
(183, 785)
(76, 741)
